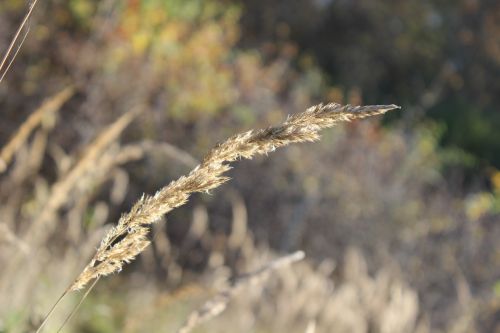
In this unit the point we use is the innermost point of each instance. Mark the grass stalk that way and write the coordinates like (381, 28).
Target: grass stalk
(129, 237)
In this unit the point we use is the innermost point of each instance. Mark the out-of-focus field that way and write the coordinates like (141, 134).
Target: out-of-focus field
(398, 217)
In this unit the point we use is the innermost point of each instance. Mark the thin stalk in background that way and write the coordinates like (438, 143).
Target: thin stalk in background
(4, 65)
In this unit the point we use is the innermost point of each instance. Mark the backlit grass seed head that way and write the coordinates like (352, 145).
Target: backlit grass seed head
(125, 241)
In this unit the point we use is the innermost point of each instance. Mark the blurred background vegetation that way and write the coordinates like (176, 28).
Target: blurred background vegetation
(399, 217)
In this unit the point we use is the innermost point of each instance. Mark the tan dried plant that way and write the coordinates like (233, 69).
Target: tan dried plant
(130, 236)
(217, 304)
(49, 106)
(60, 191)
(19, 38)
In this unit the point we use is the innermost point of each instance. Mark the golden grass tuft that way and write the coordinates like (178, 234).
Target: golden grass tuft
(129, 237)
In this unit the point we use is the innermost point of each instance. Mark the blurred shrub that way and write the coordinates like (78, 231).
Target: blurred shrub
(441, 58)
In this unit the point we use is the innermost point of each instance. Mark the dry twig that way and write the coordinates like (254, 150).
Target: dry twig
(219, 302)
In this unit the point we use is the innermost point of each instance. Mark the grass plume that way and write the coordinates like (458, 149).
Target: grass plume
(51, 105)
(129, 237)
(62, 188)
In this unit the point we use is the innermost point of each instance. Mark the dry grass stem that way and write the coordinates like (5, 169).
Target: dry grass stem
(128, 238)
(136, 151)
(219, 302)
(4, 65)
(239, 225)
(62, 188)
(51, 105)
(6, 235)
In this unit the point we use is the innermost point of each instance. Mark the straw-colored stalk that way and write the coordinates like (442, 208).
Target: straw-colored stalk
(61, 190)
(51, 105)
(44, 223)
(216, 305)
(129, 237)
(5, 63)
